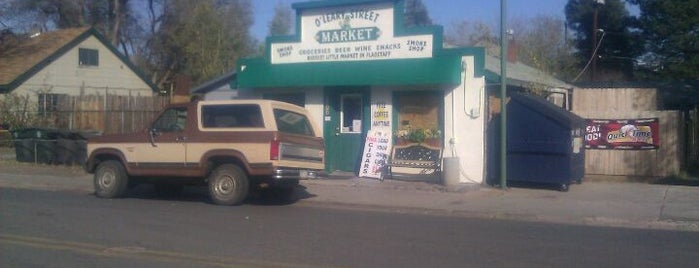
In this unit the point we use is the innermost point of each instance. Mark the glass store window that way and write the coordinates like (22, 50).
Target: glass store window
(419, 115)
(351, 113)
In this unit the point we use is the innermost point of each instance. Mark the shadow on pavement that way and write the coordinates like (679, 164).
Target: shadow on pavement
(678, 181)
(200, 194)
(534, 185)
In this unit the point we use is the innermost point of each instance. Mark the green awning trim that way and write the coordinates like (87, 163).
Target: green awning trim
(441, 69)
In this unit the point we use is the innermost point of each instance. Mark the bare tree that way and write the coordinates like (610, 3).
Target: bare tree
(281, 22)
(542, 44)
(469, 33)
(540, 41)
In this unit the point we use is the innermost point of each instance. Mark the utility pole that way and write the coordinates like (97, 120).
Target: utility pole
(503, 94)
(597, 4)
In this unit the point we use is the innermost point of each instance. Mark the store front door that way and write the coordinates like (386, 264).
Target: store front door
(345, 125)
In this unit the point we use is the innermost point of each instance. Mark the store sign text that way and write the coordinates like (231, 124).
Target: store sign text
(342, 16)
(410, 48)
(349, 35)
(360, 33)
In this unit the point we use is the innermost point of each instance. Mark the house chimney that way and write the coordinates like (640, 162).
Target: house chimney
(512, 48)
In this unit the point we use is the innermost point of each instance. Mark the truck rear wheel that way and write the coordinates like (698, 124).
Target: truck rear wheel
(228, 185)
(110, 180)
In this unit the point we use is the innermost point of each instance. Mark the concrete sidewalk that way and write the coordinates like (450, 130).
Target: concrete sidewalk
(632, 205)
(596, 203)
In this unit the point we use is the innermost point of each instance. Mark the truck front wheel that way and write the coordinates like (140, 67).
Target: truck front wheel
(228, 185)
(110, 179)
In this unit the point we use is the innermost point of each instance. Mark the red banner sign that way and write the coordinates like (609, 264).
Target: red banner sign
(622, 134)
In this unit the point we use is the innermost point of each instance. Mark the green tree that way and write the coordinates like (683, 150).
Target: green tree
(617, 47)
(416, 14)
(541, 42)
(670, 29)
(281, 22)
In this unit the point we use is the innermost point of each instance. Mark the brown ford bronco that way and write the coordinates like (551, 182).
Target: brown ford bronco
(233, 146)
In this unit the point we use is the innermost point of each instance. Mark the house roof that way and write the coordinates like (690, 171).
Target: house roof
(520, 74)
(215, 83)
(19, 63)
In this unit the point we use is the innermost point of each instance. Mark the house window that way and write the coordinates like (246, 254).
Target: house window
(88, 57)
(48, 103)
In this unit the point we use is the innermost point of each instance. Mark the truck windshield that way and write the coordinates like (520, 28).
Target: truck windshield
(291, 122)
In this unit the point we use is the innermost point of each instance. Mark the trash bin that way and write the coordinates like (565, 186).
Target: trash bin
(71, 147)
(81, 143)
(46, 145)
(35, 145)
(66, 149)
(24, 145)
(544, 144)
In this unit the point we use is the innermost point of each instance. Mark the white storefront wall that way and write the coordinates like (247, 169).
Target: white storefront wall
(464, 118)
(464, 130)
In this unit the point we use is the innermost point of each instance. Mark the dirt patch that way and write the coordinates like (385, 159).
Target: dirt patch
(9, 165)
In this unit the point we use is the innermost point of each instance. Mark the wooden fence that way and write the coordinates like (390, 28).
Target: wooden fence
(104, 113)
(633, 103)
(662, 162)
(614, 100)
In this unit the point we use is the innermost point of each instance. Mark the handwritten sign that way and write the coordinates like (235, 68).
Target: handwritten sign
(376, 150)
(380, 115)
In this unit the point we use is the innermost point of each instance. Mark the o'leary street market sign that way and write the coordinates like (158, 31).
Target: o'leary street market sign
(351, 33)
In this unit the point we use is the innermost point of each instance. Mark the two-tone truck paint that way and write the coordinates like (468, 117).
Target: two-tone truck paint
(233, 146)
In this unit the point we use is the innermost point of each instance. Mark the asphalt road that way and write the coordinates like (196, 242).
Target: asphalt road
(69, 229)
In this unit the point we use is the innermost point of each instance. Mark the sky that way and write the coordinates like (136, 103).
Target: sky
(442, 12)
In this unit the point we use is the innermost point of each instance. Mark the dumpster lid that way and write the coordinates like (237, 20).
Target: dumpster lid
(548, 109)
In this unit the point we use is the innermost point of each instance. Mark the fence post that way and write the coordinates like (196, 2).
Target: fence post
(104, 108)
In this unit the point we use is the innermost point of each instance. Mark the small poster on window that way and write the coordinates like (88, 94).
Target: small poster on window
(357, 126)
(376, 150)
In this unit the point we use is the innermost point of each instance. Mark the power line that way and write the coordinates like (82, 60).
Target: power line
(594, 54)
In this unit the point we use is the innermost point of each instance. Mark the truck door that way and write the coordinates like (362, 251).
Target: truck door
(166, 145)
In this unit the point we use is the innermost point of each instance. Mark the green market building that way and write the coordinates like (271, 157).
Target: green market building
(356, 68)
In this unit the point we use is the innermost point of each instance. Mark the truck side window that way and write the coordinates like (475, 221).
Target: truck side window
(291, 122)
(232, 116)
(172, 120)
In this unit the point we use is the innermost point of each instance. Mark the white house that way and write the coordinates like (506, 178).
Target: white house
(77, 61)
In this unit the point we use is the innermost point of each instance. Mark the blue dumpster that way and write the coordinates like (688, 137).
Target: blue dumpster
(544, 144)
